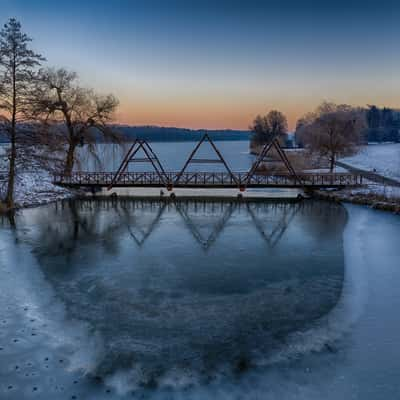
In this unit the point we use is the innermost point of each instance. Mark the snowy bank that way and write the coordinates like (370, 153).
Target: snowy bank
(33, 185)
(36, 188)
(386, 198)
(383, 159)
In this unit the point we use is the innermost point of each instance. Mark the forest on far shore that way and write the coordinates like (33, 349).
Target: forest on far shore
(383, 124)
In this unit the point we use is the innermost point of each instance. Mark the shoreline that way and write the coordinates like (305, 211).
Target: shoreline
(226, 195)
(370, 200)
(41, 202)
(200, 194)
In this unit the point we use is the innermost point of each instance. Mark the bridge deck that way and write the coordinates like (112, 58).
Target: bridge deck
(208, 180)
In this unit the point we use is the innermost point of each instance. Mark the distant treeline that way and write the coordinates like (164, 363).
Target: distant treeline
(383, 124)
(378, 124)
(162, 134)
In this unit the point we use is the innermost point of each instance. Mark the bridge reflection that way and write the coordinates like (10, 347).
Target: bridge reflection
(205, 220)
(221, 212)
(70, 224)
(140, 234)
(279, 218)
(138, 276)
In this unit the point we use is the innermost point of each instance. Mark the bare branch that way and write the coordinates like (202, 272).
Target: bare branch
(79, 114)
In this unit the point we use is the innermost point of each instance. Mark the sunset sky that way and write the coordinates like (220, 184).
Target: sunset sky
(216, 64)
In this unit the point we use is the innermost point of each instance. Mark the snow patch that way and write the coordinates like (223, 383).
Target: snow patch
(383, 159)
(35, 188)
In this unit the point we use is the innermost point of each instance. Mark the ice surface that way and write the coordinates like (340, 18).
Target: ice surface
(351, 352)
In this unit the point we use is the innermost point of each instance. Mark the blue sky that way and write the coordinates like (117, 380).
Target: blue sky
(216, 64)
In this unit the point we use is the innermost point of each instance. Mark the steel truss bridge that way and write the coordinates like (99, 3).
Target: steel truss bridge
(159, 177)
(207, 180)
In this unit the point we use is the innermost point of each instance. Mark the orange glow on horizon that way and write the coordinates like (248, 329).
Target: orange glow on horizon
(200, 116)
(217, 114)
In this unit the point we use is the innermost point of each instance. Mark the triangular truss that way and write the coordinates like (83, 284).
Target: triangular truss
(276, 233)
(140, 236)
(149, 157)
(206, 242)
(218, 160)
(274, 143)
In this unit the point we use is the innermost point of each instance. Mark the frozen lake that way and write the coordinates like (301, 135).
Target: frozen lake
(199, 300)
(135, 299)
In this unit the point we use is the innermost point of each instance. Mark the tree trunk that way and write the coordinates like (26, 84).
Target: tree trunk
(332, 162)
(13, 153)
(70, 160)
(11, 173)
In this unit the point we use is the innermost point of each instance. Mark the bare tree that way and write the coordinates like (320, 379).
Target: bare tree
(332, 131)
(17, 75)
(269, 126)
(79, 115)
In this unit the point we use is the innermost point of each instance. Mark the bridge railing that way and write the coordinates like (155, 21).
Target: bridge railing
(217, 179)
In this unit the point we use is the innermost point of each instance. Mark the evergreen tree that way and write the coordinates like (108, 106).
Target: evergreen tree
(18, 64)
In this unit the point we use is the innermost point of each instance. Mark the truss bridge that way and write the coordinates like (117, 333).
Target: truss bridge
(141, 152)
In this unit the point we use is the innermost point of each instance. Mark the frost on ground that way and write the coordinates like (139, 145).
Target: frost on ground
(383, 197)
(383, 159)
(35, 188)
(32, 187)
(33, 184)
(384, 191)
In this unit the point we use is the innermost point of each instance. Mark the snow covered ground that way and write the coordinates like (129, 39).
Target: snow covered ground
(383, 158)
(388, 192)
(3, 149)
(34, 188)
(337, 170)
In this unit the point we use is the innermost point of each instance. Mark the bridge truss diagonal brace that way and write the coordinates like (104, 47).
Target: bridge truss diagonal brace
(191, 159)
(150, 157)
(140, 240)
(283, 157)
(206, 242)
(277, 232)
